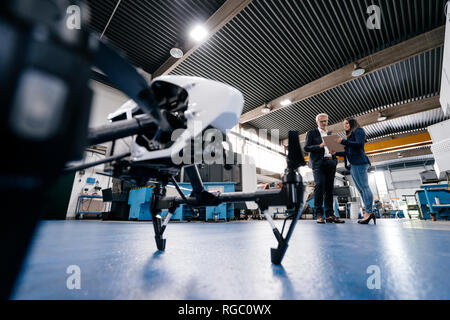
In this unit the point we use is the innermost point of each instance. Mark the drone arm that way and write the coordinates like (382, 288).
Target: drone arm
(121, 129)
(272, 197)
(195, 179)
(95, 163)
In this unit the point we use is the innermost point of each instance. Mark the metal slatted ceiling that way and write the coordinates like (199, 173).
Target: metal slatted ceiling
(405, 124)
(274, 47)
(419, 76)
(147, 30)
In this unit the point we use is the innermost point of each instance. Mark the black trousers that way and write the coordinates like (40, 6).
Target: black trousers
(323, 190)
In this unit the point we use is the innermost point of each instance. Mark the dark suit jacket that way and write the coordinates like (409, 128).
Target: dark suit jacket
(312, 145)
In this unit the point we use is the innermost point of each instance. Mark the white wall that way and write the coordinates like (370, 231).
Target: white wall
(105, 101)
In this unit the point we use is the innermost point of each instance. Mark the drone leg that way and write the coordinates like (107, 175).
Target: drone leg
(167, 219)
(160, 242)
(278, 253)
(158, 192)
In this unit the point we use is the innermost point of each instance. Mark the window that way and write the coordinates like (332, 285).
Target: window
(381, 184)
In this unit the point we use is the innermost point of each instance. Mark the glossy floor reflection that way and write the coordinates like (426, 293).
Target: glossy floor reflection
(119, 260)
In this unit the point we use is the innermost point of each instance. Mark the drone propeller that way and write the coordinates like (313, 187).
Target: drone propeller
(295, 157)
(127, 79)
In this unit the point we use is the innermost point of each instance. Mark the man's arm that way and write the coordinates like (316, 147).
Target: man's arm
(309, 146)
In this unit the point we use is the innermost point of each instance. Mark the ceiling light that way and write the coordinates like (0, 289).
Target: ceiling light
(285, 102)
(198, 33)
(358, 71)
(381, 117)
(265, 109)
(176, 52)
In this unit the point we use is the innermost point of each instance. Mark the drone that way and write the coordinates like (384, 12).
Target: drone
(47, 100)
(186, 101)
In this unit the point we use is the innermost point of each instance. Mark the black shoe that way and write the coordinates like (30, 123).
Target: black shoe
(366, 221)
(334, 219)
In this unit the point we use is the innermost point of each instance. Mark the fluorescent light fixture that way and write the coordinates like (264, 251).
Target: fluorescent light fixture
(285, 102)
(198, 33)
(381, 117)
(358, 71)
(176, 52)
(265, 109)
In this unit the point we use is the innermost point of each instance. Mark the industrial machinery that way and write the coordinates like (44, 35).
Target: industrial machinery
(140, 204)
(118, 196)
(45, 70)
(429, 176)
(445, 78)
(441, 148)
(434, 201)
(412, 207)
(343, 196)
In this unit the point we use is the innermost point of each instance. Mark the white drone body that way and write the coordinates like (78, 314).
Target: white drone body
(210, 103)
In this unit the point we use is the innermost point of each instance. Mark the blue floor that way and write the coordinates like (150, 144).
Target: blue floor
(119, 260)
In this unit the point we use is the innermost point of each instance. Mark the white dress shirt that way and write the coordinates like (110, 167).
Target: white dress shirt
(324, 133)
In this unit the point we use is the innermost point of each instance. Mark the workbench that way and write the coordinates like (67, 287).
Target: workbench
(80, 211)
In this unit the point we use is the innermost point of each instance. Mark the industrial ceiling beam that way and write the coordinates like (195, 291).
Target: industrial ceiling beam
(393, 112)
(390, 113)
(393, 145)
(220, 18)
(416, 152)
(374, 62)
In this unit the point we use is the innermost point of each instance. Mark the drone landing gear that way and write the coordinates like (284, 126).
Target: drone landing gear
(293, 190)
(277, 254)
(290, 195)
(160, 241)
(158, 225)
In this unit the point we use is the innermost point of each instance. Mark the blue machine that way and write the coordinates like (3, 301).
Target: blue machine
(224, 211)
(434, 199)
(139, 201)
(395, 214)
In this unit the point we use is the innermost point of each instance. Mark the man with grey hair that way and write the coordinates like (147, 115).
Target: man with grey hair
(324, 170)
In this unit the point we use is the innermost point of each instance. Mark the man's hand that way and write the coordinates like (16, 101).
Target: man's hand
(322, 145)
(332, 152)
(339, 140)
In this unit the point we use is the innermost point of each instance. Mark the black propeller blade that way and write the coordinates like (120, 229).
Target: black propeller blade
(295, 157)
(125, 77)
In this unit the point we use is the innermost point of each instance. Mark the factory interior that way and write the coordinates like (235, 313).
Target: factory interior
(162, 150)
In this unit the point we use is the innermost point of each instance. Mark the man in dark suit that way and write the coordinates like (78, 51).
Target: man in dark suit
(324, 170)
